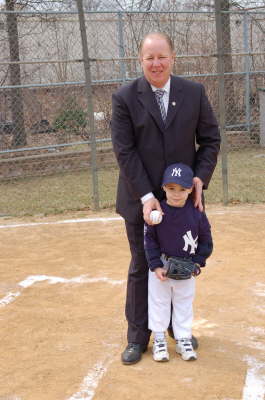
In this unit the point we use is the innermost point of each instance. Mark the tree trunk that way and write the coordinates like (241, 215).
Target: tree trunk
(230, 105)
(19, 134)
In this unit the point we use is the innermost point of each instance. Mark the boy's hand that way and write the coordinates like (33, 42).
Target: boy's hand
(161, 273)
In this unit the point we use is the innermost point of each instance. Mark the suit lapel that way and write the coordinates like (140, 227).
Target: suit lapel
(175, 99)
(147, 98)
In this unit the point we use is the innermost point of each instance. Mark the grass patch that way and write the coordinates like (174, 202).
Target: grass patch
(56, 194)
(246, 178)
(73, 191)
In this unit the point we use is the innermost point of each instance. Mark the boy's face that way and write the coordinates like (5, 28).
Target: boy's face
(176, 194)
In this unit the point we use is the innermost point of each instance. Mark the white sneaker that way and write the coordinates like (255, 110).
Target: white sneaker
(160, 352)
(185, 349)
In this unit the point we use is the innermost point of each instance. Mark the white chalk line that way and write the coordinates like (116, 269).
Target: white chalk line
(254, 388)
(9, 298)
(204, 324)
(66, 221)
(32, 279)
(92, 379)
(90, 382)
(109, 219)
(259, 289)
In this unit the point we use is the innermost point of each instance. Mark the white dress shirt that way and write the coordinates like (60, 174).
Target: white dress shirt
(166, 88)
(165, 98)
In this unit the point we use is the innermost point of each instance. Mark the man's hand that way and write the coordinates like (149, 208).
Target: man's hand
(161, 274)
(149, 205)
(197, 193)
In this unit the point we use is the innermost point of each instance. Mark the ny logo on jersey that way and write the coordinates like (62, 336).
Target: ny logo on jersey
(189, 241)
(176, 172)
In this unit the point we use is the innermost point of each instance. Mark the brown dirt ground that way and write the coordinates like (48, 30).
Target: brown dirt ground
(62, 341)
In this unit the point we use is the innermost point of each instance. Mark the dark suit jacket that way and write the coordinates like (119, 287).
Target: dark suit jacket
(144, 145)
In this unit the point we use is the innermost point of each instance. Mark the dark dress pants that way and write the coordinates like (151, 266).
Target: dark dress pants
(136, 309)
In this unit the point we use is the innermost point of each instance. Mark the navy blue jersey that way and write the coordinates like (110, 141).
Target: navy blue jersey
(183, 232)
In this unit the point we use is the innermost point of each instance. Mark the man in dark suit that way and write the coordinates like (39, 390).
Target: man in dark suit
(157, 120)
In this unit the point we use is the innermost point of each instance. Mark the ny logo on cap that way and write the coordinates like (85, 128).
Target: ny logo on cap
(176, 172)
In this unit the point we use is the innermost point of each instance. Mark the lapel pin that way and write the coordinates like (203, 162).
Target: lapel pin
(173, 103)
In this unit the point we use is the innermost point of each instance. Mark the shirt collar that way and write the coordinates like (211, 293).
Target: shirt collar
(166, 87)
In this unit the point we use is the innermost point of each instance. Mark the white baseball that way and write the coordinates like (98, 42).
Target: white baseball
(156, 217)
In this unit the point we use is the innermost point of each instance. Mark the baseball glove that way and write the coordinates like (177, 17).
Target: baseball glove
(181, 268)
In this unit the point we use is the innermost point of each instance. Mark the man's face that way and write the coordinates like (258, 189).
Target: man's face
(176, 194)
(156, 60)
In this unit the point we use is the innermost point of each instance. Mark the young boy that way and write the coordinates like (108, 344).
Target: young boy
(183, 232)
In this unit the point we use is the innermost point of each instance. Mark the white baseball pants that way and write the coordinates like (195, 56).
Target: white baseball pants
(160, 296)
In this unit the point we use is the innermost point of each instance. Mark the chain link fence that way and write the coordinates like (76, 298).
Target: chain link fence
(55, 142)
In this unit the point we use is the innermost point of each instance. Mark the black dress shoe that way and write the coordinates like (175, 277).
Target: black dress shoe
(194, 340)
(133, 353)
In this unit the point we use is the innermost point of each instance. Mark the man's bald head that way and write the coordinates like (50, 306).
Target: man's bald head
(161, 35)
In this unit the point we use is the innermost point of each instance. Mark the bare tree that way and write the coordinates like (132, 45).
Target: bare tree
(19, 135)
(230, 105)
(225, 5)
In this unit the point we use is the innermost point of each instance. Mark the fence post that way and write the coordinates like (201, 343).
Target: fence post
(247, 68)
(121, 46)
(221, 95)
(262, 116)
(90, 107)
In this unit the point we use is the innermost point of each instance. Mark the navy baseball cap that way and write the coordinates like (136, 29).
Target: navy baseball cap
(178, 173)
